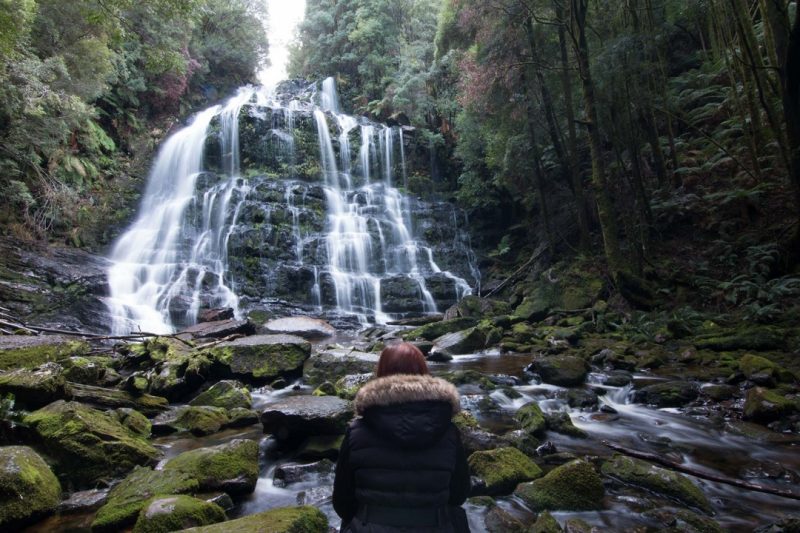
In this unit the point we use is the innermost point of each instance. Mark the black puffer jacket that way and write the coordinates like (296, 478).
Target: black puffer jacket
(403, 453)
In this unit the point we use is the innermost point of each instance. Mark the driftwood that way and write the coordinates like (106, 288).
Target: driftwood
(653, 458)
(517, 272)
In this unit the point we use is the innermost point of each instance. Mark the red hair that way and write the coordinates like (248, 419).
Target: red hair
(403, 358)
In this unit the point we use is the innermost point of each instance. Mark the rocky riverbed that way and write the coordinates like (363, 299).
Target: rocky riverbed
(241, 421)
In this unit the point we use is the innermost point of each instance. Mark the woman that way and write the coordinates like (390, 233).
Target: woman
(401, 466)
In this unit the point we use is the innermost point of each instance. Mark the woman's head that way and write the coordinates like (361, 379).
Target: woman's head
(403, 358)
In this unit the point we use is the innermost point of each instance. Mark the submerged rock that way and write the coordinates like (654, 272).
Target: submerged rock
(88, 444)
(175, 513)
(127, 499)
(262, 358)
(659, 480)
(563, 370)
(282, 520)
(28, 488)
(574, 486)
(227, 394)
(502, 469)
(301, 326)
(231, 467)
(302, 416)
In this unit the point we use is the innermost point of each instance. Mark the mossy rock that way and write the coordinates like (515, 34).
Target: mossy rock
(461, 342)
(227, 394)
(231, 467)
(17, 351)
(562, 423)
(34, 388)
(114, 398)
(304, 519)
(28, 488)
(163, 514)
(545, 523)
(240, 417)
(531, 419)
(756, 338)
(574, 486)
(498, 520)
(325, 389)
(683, 521)
(502, 469)
(348, 386)
(261, 358)
(198, 420)
(129, 497)
(134, 421)
(437, 329)
(321, 447)
(473, 306)
(762, 371)
(667, 394)
(469, 377)
(88, 444)
(562, 370)
(655, 479)
(87, 370)
(337, 363)
(764, 405)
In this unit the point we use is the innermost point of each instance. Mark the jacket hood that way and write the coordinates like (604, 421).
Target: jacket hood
(409, 410)
(404, 388)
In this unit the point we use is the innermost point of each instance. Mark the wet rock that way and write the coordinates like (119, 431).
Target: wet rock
(262, 358)
(21, 351)
(574, 486)
(438, 356)
(215, 315)
(219, 329)
(87, 444)
(174, 513)
(282, 520)
(762, 371)
(718, 392)
(315, 496)
(683, 521)
(531, 419)
(219, 498)
(562, 423)
(437, 329)
(348, 386)
(227, 394)
(231, 467)
(582, 398)
(325, 389)
(618, 378)
(84, 501)
(424, 346)
(320, 447)
(787, 525)
(240, 417)
(36, 387)
(336, 363)
(563, 370)
(198, 420)
(576, 525)
(114, 398)
(289, 473)
(300, 326)
(548, 448)
(302, 416)
(28, 488)
(667, 394)
(498, 520)
(502, 469)
(473, 437)
(659, 480)
(461, 342)
(764, 405)
(545, 523)
(470, 377)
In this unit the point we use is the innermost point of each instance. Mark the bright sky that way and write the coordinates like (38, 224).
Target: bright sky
(283, 18)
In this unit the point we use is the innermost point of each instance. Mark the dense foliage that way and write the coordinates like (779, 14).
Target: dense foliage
(80, 80)
(624, 129)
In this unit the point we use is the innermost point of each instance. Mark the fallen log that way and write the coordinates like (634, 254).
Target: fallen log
(653, 458)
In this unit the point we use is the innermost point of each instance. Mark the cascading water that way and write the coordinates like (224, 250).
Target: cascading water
(201, 235)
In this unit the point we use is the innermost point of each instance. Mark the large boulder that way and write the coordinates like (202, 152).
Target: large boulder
(176, 513)
(219, 329)
(198, 420)
(116, 399)
(20, 351)
(762, 371)
(461, 342)
(227, 394)
(28, 487)
(231, 467)
(129, 497)
(87, 444)
(659, 480)
(765, 405)
(34, 388)
(667, 394)
(301, 326)
(563, 370)
(262, 358)
(574, 486)
(502, 469)
(336, 363)
(303, 416)
(305, 519)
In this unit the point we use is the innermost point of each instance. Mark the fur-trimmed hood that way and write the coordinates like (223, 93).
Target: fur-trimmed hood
(404, 388)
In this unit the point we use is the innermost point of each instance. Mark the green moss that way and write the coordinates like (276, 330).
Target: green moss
(27, 485)
(225, 394)
(655, 479)
(463, 420)
(754, 365)
(545, 523)
(325, 389)
(134, 421)
(198, 420)
(282, 520)
(163, 514)
(30, 353)
(574, 486)
(765, 405)
(531, 419)
(503, 468)
(34, 388)
(262, 361)
(88, 444)
(127, 499)
(758, 338)
(437, 329)
(231, 467)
